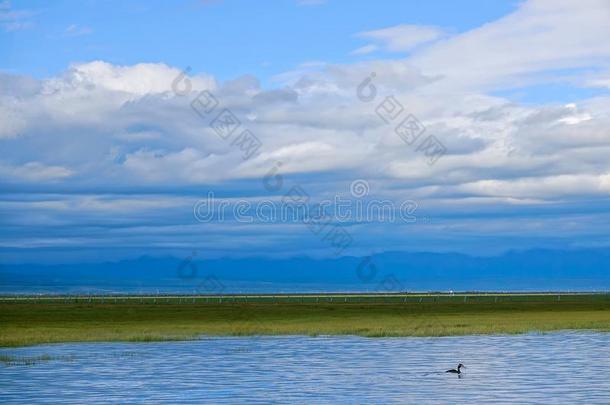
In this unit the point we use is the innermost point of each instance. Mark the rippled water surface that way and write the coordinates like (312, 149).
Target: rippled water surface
(567, 367)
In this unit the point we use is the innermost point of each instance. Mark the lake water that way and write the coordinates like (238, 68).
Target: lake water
(565, 367)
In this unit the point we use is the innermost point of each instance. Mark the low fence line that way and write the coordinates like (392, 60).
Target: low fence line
(338, 298)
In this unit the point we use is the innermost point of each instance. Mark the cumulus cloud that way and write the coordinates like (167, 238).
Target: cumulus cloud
(18, 86)
(11, 119)
(136, 80)
(136, 130)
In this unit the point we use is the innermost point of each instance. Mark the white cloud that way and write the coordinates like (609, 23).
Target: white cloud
(11, 120)
(542, 35)
(540, 187)
(185, 166)
(35, 172)
(400, 38)
(14, 20)
(139, 80)
(600, 79)
(124, 124)
(364, 50)
(122, 127)
(74, 30)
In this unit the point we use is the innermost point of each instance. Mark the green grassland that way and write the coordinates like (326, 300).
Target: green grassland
(28, 320)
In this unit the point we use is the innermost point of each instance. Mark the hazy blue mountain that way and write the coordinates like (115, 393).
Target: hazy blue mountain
(515, 270)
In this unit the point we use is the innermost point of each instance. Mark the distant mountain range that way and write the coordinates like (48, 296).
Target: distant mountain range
(391, 271)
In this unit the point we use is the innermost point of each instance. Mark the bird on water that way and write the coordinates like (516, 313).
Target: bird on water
(456, 371)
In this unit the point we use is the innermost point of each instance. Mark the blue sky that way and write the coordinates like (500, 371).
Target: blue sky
(224, 38)
(101, 157)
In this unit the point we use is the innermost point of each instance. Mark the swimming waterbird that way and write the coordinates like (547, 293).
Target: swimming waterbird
(458, 371)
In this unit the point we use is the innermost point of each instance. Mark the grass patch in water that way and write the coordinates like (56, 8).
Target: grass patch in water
(12, 360)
